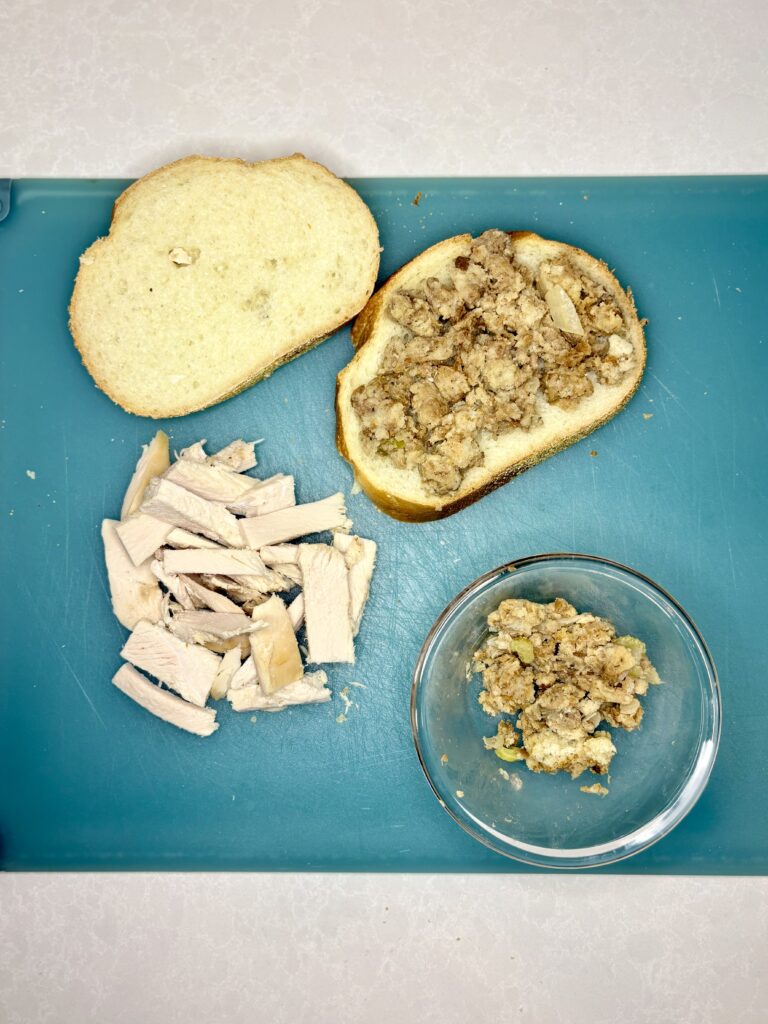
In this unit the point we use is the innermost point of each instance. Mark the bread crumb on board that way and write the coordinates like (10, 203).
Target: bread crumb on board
(31, 474)
(417, 199)
(595, 789)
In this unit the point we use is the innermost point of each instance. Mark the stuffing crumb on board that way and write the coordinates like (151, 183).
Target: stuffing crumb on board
(595, 789)
(208, 568)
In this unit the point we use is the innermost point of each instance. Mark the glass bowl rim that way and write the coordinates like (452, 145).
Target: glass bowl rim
(644, 835)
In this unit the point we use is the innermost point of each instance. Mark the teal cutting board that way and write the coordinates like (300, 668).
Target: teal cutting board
(88, 780)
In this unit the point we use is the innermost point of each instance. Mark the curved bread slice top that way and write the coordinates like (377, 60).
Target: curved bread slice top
(214, 273)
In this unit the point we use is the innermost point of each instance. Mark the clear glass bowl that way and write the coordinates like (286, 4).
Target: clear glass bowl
(659, 771)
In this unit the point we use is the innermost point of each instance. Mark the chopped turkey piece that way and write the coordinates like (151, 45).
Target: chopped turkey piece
(296, 612)
(326, 604)
(237, 455)
(175, 585)
(274, 554)
(192, 594)
(153, 462)
(360, 556)
(195, 453)
(241, 562)
(186, 668)
(202, 627)
(205, 598)
(275, 527)
(133, 588)
(251, 588)
(230, 663)
(225, 583)
(291, 572)
(142, 535)
(245, 675)
(165, 705)
(179, 538)
(309, 690)
(214, 483)
(238, 643)
(268, 496)
(179, 507)
(274, 649)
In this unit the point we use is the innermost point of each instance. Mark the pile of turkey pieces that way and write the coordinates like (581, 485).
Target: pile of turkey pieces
(208, 570)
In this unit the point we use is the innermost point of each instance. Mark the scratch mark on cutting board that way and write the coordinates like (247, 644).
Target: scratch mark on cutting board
(684, 368)
(664, 387)
(87, 604)
(83, 690)
(66, 509)
(731, 562)
(717, 292)
(671, 395)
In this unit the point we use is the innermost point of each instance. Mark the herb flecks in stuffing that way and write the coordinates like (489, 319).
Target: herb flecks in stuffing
(481, 353)
(563, 674)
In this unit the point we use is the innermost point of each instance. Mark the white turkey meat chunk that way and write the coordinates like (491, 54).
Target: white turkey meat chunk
(214, 483)
(194, 453)
(360, 557)
(205, 598)
(237, 455)
(280, 554)
(133, 588)
(202, 627)
(142, 535)
(290, 570)
(296, 612)
(245, 675)
(165, 705)
(268, 496)
(275, 527)
(309, 690)
(154, 461)
(326, 604)
(175, 585)
(250, 588)
(188, 669)
(219, 562)
(179, 538)
(167, 501)
(238, 643)
(230, 663)
(274, 649)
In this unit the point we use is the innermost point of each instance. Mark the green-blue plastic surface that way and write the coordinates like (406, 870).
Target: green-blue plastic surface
(88, 780)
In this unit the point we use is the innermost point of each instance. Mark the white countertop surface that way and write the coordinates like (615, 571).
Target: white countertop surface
(390, 88)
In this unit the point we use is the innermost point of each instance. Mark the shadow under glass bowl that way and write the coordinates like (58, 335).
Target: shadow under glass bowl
(659, 770)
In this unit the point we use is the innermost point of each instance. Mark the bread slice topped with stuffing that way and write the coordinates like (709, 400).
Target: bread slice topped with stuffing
(478, 359)
(213, 274)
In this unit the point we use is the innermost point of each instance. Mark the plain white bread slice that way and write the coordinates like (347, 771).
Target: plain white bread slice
(213, 274)
(400, 493)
